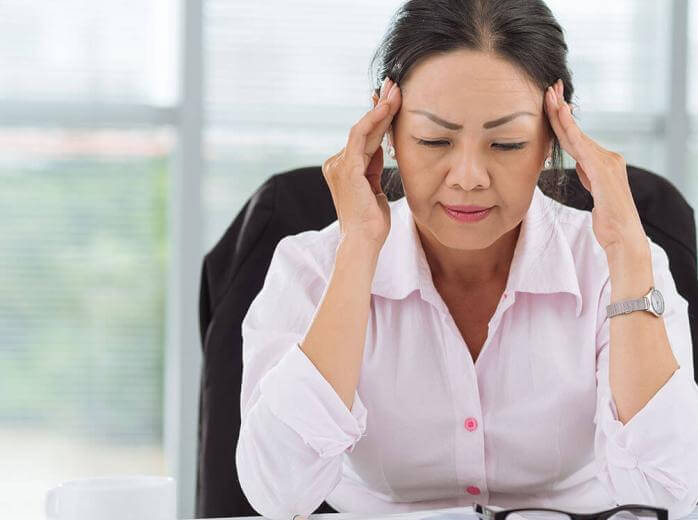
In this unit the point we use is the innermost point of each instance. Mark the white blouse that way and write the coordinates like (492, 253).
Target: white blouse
(531, 423)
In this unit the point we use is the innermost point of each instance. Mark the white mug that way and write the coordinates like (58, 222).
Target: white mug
(138, 497)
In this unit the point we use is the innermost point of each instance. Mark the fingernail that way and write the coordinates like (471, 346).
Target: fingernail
(392, 94)
(390, 88)
(385, 81)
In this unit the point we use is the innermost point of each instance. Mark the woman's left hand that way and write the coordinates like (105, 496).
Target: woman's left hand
(615, 220)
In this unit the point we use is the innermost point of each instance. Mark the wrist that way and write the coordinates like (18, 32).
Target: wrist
(355, 250)
(630, 271)
(629, 251)
(633, 249)
(360, 245)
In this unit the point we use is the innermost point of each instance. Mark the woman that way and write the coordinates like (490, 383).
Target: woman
(410, 356)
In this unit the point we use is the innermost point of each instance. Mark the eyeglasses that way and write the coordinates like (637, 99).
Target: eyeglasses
(623, 512)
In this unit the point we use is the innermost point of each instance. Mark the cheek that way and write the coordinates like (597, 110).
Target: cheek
(418, 182)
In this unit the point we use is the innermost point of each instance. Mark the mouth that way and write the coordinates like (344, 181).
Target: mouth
(467, 216)
(467, 209)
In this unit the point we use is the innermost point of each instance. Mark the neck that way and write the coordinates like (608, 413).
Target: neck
(475, 267)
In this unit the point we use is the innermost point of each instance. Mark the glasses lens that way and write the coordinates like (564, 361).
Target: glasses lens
(537, 514)
(634, 514)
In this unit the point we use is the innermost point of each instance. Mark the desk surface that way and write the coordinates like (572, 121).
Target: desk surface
(452, 513)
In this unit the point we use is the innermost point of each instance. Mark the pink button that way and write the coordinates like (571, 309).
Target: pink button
(505, 295)
(473, 490)
(471, 424)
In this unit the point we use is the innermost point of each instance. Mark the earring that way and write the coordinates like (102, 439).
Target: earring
(548, 162)
(391, 151)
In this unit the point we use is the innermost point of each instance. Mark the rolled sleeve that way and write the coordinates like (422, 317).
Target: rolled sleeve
(294, 427)
(299, 395)
(658, 442)
(651, 459)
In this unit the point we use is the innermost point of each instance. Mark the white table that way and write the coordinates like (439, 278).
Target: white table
(466, 513)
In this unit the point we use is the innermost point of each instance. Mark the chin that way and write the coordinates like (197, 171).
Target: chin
(466, 239)
(468, 244)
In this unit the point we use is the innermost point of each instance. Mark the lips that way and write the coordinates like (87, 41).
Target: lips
(467, 216)
(467, 209)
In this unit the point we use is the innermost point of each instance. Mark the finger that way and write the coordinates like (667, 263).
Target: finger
(559, 89)
(393, 99)
(374, 171)
(358, 135)
(571, 138)
(583, 177)
(362, 139)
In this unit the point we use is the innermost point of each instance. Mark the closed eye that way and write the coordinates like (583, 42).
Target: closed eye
(510, 146)
(431, 143)
(501, 146)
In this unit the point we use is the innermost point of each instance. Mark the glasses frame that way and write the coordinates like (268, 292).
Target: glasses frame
(487, 513)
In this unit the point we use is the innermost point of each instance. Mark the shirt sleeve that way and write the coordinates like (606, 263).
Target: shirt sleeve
(652, 459)
(294, 426)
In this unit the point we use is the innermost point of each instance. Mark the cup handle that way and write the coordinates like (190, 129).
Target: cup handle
(52, 504)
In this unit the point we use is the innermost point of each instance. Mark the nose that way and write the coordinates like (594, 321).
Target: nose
(468, 170)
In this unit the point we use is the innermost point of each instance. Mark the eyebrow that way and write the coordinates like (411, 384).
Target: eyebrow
(486, 125)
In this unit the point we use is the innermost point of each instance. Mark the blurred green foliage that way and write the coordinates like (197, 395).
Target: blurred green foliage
(83, 246)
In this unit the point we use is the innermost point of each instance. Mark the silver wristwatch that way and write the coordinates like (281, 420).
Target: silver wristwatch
(652, 302)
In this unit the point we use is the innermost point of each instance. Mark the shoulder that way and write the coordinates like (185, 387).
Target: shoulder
(316, 250)
(576, 227)
(298, 272)
(311, 251)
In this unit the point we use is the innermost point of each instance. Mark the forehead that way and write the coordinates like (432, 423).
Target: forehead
(475, 81)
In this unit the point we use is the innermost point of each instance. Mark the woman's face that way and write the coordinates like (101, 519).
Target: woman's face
(481, 157)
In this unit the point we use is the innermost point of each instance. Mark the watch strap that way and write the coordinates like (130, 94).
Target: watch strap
(626, 306)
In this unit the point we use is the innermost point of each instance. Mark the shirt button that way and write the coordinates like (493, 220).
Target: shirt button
(473, 490)
(505, 295)
(471, 424)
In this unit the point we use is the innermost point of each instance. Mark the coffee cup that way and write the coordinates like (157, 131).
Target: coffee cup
(136, 497)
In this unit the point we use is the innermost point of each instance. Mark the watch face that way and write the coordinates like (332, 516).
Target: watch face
(657, 301)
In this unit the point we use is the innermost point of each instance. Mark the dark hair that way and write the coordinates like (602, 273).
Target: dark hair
(524, 32)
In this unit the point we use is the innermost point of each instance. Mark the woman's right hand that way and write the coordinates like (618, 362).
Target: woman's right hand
(354, 173)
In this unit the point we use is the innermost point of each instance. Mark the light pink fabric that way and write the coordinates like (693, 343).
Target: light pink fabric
(545, 426)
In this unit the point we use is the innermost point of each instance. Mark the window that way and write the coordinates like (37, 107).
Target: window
(692, 162)
(84, 168)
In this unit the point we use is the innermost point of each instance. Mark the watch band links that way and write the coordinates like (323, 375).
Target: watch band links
(627, 306)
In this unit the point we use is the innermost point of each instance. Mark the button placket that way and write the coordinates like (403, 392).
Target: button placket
(471, 425)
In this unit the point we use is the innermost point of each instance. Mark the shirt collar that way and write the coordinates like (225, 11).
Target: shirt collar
(543, 262)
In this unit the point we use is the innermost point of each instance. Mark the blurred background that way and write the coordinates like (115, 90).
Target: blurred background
(132, 132)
